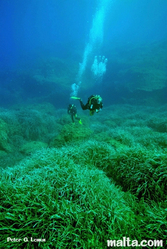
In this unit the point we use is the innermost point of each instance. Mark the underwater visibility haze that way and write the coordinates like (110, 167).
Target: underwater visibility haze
(83, 123)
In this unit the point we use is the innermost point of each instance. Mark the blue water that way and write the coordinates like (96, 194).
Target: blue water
(33, 32)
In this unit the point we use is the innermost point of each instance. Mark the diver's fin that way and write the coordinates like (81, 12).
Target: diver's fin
(73, 97)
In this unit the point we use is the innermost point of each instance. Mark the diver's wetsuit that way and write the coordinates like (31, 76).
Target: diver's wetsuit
(92, 104)
(72, 110)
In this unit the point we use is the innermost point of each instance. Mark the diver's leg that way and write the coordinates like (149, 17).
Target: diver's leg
(84, 107)
(76, 117)
(72, 118)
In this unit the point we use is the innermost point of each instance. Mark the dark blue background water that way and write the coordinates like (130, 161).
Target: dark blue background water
(31, 28)
(28, 26)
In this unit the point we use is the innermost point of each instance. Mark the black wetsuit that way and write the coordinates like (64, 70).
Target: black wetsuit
(92, 104)
(72, 110)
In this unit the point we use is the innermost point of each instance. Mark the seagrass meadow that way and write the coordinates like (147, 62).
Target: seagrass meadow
(65, 185)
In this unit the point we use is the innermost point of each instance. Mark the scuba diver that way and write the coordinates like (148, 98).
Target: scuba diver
(72, 110)
(94, 103)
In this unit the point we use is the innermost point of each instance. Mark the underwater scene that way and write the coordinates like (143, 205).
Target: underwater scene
(83, 124)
